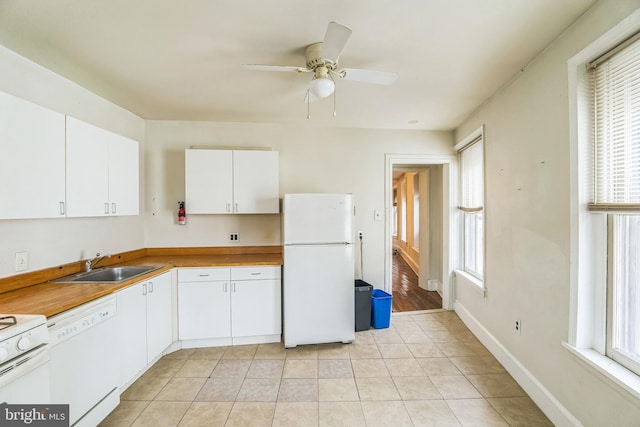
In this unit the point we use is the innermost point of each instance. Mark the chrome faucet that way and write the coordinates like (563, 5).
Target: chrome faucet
(90, 264)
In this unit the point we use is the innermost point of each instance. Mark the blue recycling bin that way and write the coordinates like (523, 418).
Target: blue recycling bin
(380, 309)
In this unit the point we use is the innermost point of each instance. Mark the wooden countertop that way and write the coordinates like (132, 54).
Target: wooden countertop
(53, 298)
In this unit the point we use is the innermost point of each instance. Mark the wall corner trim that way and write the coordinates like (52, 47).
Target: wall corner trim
(552, 408)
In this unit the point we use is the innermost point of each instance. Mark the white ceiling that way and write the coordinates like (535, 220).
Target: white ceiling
(181, 60)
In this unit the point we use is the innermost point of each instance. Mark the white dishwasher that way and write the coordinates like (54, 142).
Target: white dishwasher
(84, 361)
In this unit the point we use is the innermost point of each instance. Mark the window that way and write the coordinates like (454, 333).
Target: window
(471, 160)
(615, 199)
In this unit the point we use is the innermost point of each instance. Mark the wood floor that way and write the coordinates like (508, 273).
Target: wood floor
(407, 295)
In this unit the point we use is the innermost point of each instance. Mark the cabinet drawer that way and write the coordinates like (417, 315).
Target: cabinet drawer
(255, 273)
(203, 274)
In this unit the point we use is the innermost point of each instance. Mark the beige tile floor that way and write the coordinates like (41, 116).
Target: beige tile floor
(425, 370)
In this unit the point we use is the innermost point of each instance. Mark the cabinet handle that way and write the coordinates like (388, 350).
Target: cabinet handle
(235, 207)
(106, 208)
(256, 274)
(150, 287)
(204, 275)
(144, 289)
(113, 208)
(61, 208)
(233, 289)
(228, 207)
(225, 287)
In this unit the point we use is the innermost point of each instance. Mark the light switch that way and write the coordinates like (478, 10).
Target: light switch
(22, 261)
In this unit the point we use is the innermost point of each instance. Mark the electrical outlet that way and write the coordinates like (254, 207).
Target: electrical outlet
(360, 235)
(22, 261)
(519, 326)
(233, 237)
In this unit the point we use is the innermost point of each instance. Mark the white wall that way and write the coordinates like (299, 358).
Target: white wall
(312, 159)
(53, 242)
(527, 229)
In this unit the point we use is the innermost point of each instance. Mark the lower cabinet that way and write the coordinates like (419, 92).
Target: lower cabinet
(255, 301)
(240, 304)
(159, 324)
(204, 303)
(144, 323)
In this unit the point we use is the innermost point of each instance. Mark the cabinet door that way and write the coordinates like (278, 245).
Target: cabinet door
(87, 170)
(32, 180)
(159, 330)
(255, 181)
(208, 185)
(124, 188)
(132, 324)
(255, 308)
(204, 310)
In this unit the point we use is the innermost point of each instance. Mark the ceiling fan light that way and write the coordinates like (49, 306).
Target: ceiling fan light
(322, 87)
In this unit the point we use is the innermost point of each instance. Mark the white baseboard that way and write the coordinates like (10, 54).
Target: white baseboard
(552, 408)
(434, 285)
(413, 264)
(207, 342)
(218, 342)
(260, 339)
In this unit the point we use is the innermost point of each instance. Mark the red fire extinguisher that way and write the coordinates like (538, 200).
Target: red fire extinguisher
(182, 215)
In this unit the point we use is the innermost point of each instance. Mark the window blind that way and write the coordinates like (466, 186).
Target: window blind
(471, 168)
(615, 84)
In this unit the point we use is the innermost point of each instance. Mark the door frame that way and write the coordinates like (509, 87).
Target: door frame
(449, 246)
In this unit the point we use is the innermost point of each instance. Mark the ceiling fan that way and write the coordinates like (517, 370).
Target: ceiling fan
(322, 61)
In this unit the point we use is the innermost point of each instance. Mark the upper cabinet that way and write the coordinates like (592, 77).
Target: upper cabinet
(231, 181)
(208, 181)
(124, 186)
(52, 165)
(102, 172)
(255, 182)
(32, 156)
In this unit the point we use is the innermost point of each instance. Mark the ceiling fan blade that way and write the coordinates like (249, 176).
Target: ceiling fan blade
(334, 40)
(259, 67)
(368, 76)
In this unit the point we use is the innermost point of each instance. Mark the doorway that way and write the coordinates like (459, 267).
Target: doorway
(434, 237)
(416, 238)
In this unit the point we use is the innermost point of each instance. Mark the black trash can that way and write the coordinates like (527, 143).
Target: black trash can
(363, 305)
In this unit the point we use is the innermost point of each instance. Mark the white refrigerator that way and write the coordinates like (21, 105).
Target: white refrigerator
(318, 283)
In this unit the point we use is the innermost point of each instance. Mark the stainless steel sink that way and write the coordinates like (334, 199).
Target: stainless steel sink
(108, 274)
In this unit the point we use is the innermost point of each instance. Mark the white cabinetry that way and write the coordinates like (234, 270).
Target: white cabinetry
(32, 153)
(255, 302)
(204, 309)
(256, 182)
(124, 187)
(231, 181)
(159, 324)
(144, 322)
(229, 305)
(101, 171)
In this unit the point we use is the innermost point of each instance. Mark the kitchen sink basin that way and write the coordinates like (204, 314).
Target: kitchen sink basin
(108, 274)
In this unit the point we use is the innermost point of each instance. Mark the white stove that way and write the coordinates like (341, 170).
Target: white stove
(24, 359)
(20, 333)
